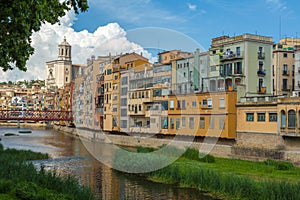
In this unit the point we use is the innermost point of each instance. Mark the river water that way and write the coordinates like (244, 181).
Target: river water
(70, 157)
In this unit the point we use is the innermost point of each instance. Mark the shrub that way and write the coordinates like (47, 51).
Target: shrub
(279, 165)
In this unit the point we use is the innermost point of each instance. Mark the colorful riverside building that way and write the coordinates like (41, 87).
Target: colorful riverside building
(242, 61)
(112, 77)
(269, 122)
(283, 67)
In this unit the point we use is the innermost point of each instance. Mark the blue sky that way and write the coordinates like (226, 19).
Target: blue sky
(199, 20)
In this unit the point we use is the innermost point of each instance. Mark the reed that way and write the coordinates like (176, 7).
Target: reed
(20, 180)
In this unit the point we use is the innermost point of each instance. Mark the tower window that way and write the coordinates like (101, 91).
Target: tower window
(66, 79)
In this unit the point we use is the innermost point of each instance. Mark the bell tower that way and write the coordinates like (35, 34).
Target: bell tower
(64, 51)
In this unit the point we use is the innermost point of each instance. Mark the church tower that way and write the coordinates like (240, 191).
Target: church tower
(64, 51)
(59, 72)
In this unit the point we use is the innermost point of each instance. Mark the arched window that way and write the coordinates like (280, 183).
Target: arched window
(283, 119)
(291, 119)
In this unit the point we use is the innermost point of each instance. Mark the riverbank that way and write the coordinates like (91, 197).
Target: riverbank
(224, 178)
(20, 180)
(230, 150)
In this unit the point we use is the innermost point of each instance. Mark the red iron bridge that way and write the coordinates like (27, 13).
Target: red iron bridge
(36, 115)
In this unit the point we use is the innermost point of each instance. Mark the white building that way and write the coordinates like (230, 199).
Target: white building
(59, 72)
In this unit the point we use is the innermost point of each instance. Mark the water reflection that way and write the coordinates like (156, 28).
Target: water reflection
(70, 157)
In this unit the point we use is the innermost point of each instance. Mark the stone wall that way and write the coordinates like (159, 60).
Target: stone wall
(248, 146)
(259, 140)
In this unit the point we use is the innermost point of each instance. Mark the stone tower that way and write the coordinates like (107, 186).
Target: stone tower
(64, 51)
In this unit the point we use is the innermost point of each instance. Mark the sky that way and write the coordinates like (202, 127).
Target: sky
(151, 26)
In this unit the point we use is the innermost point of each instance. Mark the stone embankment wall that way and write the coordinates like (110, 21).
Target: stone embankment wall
(248, 146)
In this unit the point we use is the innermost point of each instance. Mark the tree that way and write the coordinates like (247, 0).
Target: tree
(20, 18)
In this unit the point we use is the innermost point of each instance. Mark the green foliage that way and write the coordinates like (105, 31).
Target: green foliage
(1, 147)
(20, 180)
(141, 149)
(19, 19)
(279, 165)
(232, 185)
(206, 158)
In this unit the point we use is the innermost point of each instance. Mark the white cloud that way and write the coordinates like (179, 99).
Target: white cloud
(277, 4)
(192, 6)
(106, 39)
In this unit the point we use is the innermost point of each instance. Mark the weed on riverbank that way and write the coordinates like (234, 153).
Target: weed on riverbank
(229, 178)
(20, 180)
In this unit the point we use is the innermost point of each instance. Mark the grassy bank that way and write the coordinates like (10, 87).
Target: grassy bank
(20, 180)
(230, 178)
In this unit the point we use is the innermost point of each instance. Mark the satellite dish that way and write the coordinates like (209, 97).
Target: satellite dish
(167, 84)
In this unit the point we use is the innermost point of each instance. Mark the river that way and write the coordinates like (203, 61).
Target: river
(70, 157)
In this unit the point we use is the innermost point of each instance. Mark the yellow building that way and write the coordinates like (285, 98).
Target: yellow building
(203, 114)
(112, 92)
(283, 66)
(257, 123)
(288, 110)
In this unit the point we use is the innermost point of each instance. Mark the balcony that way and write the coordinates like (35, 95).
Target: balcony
(286, 88)
(238, 72)
(261, 72)
(261, 55)
(261, 90)
(285, 72)
(230, 56)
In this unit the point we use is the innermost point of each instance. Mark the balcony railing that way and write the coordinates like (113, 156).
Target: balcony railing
(261, 72)
(285, 72)
(261, 55)
(230, 56)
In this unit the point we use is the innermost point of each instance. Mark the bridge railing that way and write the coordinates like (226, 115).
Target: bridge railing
(36, 115)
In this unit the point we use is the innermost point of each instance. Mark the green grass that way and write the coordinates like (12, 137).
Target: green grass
(20, 180)
(241, 182)
(229, 178)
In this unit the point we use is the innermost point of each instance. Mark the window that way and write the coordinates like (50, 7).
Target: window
(183, 122)
(222, 103)
(123, 112)
(191, 122)
(123, 102)
(116, 77)
(250, 117)
(178, 104)
(261, 117)
(285, 55)
(272, 117)
(202, 123)
(123, 124)
(183, 104)
(238, 51)
(177, 123)
(124, 91)
(213, 68)
(209, 103)
(124, 80)
(140, 108)
(171, 104)
(283, 119)
(284, 84)
(204, 102)
(291, 119)
(66, 79)
(172, 123)
(222, 122)
(212, 122)
(194, 104)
